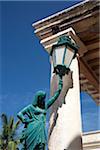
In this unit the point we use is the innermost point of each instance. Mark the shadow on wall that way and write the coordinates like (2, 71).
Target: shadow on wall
(67, 84)
(75, 144)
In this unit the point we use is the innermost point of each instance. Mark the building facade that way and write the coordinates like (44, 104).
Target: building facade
(81, 23)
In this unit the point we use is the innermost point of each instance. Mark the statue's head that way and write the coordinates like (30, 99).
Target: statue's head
(39, 99)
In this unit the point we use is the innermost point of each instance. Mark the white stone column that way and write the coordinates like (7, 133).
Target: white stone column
(65, 121)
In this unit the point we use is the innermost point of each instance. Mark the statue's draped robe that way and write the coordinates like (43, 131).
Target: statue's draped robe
(34, 133)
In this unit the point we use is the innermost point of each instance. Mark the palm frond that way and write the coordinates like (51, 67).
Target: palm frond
(9, 136)
(16, 125)
(4, 119)
(11, 122)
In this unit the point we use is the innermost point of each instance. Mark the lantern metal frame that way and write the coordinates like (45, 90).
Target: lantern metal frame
(62, 69)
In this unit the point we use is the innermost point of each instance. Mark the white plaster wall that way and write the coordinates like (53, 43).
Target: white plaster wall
(67, 133)
(91, 140)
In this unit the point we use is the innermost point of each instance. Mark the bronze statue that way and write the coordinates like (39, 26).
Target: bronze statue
(34, 118)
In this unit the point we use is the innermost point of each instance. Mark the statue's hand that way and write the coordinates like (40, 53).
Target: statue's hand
(25, 121)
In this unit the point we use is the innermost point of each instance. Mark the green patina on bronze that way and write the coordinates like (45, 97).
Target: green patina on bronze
(65, 40)
(34, 118)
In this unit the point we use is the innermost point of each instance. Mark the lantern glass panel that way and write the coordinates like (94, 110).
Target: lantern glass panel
(58, 54)
(68, 56)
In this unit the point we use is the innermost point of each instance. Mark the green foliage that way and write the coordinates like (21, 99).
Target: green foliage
(8, 135)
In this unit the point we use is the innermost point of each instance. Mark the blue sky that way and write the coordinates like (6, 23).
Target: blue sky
(24, 65)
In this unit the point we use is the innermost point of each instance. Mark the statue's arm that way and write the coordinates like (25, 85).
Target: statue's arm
(56, 95)
(21, 114)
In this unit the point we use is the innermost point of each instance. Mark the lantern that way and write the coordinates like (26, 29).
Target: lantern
(62, 54)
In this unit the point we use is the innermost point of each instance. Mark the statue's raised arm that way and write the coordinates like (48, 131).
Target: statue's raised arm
(56, 95)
